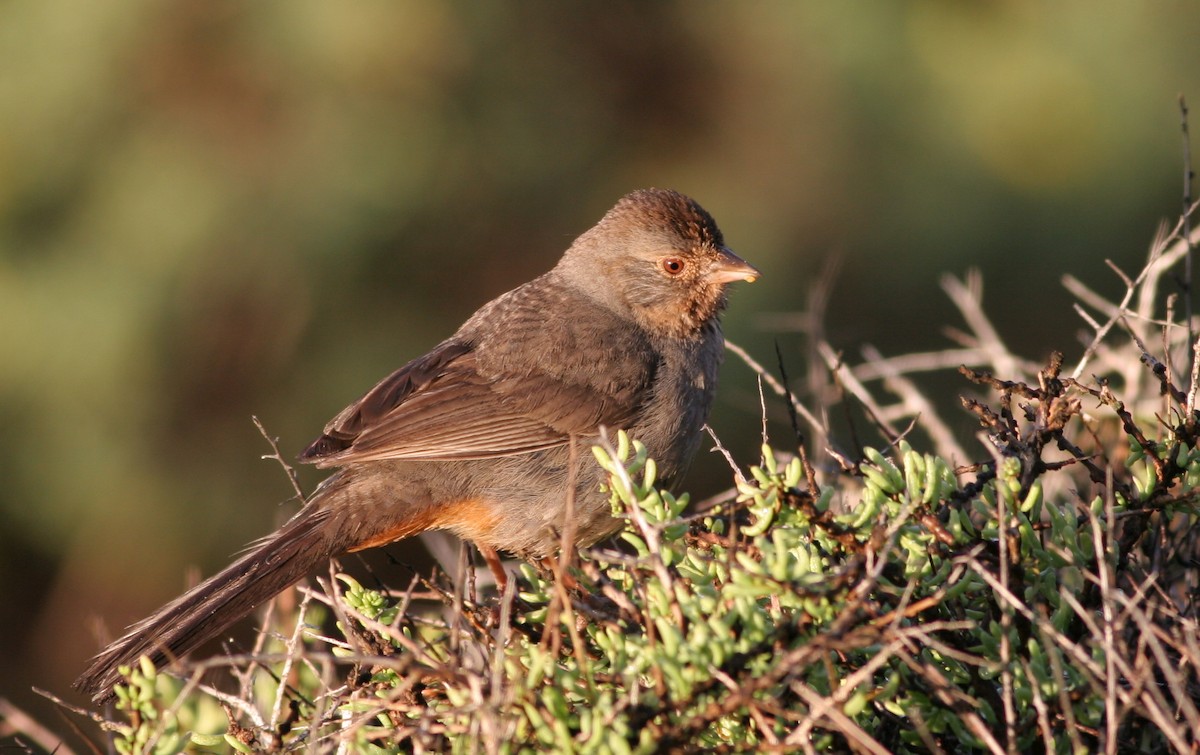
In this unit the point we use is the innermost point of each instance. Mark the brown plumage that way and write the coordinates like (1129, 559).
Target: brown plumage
(474, 436)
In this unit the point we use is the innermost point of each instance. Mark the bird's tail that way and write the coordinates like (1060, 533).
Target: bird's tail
(266, 569)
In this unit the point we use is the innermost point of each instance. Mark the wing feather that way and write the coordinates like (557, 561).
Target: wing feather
(464, 401)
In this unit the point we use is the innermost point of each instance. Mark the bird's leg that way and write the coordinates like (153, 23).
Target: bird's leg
(493, 561)
(548, 563)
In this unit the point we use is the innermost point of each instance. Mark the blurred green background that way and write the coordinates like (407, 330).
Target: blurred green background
(211, 210)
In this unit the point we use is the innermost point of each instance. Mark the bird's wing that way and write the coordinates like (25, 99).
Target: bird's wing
(444, 406)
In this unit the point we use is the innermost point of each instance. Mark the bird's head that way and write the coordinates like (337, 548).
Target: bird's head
(660, 256)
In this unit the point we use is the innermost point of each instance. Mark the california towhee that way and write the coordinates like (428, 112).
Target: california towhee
(476, 436)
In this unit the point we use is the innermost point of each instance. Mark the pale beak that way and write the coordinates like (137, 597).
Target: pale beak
(729, 268)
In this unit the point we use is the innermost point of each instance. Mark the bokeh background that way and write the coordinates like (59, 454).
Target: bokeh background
(210, 210)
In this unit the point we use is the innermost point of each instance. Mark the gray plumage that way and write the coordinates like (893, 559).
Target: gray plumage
(475, 436)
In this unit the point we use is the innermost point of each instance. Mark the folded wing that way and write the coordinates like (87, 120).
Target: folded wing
(442, 407)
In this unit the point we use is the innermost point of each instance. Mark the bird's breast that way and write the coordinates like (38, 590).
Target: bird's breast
(681, 399)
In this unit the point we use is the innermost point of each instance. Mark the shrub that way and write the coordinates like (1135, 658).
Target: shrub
(902, 600)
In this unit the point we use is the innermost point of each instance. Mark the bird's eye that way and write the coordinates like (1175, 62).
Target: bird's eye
(672, 265)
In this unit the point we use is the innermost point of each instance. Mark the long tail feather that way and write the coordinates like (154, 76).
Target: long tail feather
(269, 567)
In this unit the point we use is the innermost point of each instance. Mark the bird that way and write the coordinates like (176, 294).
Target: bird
(481, 436)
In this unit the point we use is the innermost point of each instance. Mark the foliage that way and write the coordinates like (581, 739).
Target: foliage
(913, 607)
(893, 600)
